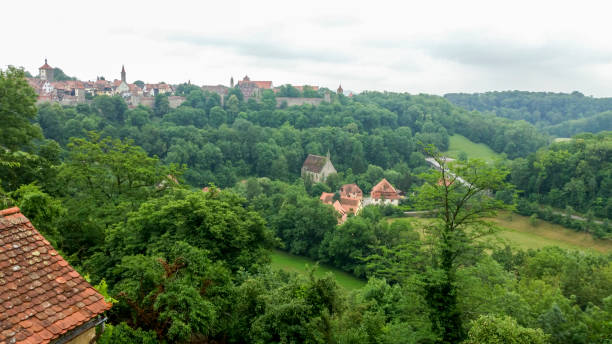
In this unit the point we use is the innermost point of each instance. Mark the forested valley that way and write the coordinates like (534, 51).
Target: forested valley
(559, 114)
(118, 192)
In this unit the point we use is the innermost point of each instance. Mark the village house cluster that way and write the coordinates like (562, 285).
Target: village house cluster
(349, 199)
(72, 92)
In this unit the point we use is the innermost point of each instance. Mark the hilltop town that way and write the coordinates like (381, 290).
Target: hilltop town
(73, 92)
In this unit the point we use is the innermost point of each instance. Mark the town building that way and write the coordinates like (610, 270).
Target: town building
(384, 193)
(253, 89)
(45, 72)
(317, 168)
(42, 298)
(351, 191)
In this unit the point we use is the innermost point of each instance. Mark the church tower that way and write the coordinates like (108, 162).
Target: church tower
(232, 82)
(123, 74)
(46, 72)
(340, 90)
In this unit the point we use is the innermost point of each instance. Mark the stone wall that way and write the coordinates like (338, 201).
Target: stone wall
(297, 101)
(175, 101)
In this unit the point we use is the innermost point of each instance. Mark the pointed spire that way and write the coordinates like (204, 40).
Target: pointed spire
(123, 73)
(328, 155)
(45, 60)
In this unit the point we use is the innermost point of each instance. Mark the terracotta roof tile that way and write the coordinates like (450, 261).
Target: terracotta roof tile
(385, 190)
(41, 296)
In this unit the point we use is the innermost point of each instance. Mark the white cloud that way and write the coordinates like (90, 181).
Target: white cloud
(432, 47)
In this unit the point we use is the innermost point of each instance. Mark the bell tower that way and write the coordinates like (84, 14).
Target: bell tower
(123, 74)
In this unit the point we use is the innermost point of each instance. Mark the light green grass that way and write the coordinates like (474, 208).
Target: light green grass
(459, 143)
(518, 232)
(293, 263)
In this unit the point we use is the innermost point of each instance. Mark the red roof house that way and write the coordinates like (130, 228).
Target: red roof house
(351, 191)
(384, 192)
(42, 298)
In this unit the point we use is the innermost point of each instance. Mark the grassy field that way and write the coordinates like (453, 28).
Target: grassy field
(517, 231)
(459, 143)
(289, 262)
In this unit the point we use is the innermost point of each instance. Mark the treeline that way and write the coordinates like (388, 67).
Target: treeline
(222, 144)
(552, 112)
(596, 123)
(573, 176)
(513, 138)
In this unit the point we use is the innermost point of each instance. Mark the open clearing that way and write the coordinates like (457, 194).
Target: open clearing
(459, 143)
(518, 232)
(292, 263)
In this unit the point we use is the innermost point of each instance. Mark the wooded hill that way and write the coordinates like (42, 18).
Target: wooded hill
(560, 114)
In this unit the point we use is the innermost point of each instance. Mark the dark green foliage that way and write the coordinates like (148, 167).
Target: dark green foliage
(576, 173)
(59, 75)
(124, 334)
(560, 114)
(17, 108)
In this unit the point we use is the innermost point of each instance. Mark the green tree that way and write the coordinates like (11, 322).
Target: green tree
(59, 75)
(17, 109)
(461, 200)
(161, 105)
(490, 329)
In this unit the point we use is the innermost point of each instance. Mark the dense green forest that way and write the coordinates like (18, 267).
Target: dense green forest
(117, 191)
(575, 175)
(560, 114)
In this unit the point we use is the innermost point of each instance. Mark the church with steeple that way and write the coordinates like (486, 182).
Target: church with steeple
(123, 86)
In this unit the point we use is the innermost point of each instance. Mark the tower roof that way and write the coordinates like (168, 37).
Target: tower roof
(122, 69)
(45, 66)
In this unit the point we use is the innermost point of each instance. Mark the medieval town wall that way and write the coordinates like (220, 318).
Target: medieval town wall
(297, 101)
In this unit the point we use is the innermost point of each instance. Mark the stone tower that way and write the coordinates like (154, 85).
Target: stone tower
(46, 72)
(232, 82)
(123, 74)
(340, 90)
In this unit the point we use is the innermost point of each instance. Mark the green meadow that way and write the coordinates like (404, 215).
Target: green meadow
(459, 143)
(292, 263)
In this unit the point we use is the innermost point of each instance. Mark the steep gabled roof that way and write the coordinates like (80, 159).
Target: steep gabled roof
(385, 190)
(41, 296)
(347, 190)
(314, 163)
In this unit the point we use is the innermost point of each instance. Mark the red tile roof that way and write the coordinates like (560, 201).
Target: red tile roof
(351, 191)
(41, 296)
(263, 84)
(350, 205)
(338, 207)
(327, 197)
(45, 66)
(385, 190)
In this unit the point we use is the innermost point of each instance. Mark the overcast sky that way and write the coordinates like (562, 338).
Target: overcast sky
(404, 46)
